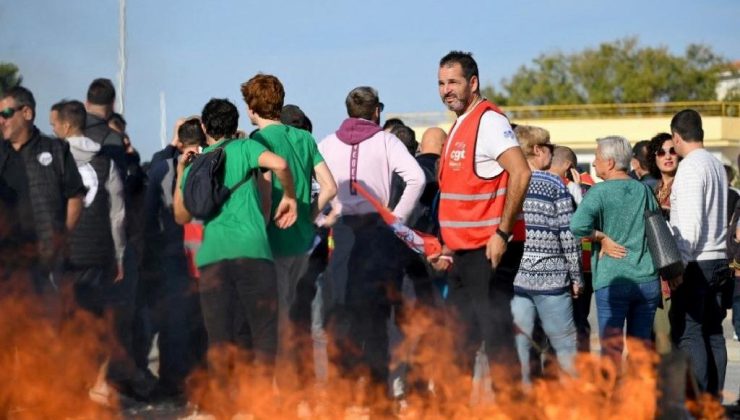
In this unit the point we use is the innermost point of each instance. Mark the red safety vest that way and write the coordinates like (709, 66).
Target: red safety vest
(470, 207)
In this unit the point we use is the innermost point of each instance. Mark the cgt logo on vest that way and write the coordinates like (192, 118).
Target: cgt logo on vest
(457, 155)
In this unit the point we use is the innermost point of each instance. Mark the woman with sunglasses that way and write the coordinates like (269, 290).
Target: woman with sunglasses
(663, 164)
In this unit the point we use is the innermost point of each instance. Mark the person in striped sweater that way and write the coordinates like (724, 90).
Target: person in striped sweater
(550, 268)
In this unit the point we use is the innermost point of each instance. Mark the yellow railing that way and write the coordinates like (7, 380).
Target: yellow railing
(709, 109)
(583, 111)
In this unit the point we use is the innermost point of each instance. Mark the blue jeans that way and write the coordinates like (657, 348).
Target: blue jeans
(633, 303)
(556, 315)
(696, 321)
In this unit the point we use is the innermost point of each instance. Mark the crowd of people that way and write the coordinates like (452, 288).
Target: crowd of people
(263, 241)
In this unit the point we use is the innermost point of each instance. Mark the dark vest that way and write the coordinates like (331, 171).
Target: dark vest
(44, 161)
(91, 242)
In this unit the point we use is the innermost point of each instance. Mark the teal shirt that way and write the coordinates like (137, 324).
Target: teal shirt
(238, 230)
(617, 208)
(299, 149)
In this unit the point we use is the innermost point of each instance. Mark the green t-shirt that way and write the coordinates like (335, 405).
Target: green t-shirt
(617, 208)
(238, 230)
(299, 149)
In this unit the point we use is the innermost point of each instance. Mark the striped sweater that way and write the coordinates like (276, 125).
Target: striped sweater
(551, 252)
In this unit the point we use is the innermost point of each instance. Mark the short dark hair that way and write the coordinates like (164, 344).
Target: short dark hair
(391, 123)
(294, 116)
(640, 152)
(361, 102)
(191, 133)
(72, 112)
(687, 124)
(407, 137)
(220, 118)
(264, 95)
(465, 60)
(22, 97)
(118, 120)
(655, 144)
(101, 92)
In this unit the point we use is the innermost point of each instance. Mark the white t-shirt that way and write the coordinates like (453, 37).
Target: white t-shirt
(495, 136)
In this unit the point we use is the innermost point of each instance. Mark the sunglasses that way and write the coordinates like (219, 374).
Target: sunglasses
(9, 112)
(663, 152)
(381, 106)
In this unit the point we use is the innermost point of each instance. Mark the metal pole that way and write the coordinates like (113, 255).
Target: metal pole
(162, 120)
(121, 55)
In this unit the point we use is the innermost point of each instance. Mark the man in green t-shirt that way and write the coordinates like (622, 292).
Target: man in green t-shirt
(237, 279)
(264, 95)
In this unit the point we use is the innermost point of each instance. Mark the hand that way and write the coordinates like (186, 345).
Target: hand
(331, 218)
(183, 161)
(119, 273)
(577, 290)
(175, 139)
(286, 213)
(441, 261)
(495, 248)
(612, 249)
(576, 175)
(675, 282)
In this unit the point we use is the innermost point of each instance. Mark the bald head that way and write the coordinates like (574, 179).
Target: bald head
(563, 158)
(433, 140)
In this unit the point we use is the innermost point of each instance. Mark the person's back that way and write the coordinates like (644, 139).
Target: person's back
(299, 149)
(619, 206)
(698, 207)
(238, 230)
(375, 156)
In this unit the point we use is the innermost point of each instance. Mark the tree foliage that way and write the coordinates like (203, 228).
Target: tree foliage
(615, 72)
(9, 76)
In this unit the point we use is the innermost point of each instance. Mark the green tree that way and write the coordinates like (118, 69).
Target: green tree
(9, 77)
(616, 72)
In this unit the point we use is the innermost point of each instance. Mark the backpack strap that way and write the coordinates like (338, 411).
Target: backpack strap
(246, 178)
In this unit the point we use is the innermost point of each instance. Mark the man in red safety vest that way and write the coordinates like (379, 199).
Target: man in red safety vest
(483, 178)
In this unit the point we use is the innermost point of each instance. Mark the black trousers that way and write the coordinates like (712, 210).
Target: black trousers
(358, 323)
(240, 292)
(480, 308)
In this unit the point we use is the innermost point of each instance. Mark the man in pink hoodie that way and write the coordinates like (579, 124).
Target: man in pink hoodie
(360, 305)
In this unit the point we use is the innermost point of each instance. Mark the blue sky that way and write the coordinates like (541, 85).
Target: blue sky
(194, 50)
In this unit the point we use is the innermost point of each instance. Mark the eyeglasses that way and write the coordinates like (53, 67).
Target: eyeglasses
(663, 152)
(8, 113)
(381, 106)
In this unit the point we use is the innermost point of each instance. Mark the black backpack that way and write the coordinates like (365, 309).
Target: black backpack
(205, 191)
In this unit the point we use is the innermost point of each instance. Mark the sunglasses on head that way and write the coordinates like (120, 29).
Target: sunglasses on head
(9, 112)
(663, 152)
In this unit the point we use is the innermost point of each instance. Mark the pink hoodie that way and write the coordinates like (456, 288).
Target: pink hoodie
(379, 155)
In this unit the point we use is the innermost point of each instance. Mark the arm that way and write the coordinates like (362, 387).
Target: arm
(117, 217)
(74, 189)
(687, 202)
(513, 162)
(327, 187)
(74, 209)
(182, 215)
(264, 186)
(287, 210)
(401, 162)
(568, 243)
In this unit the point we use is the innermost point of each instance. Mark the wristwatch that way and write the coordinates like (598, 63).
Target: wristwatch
(505, 236)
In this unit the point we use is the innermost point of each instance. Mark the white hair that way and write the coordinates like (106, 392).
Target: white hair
(617, 148)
